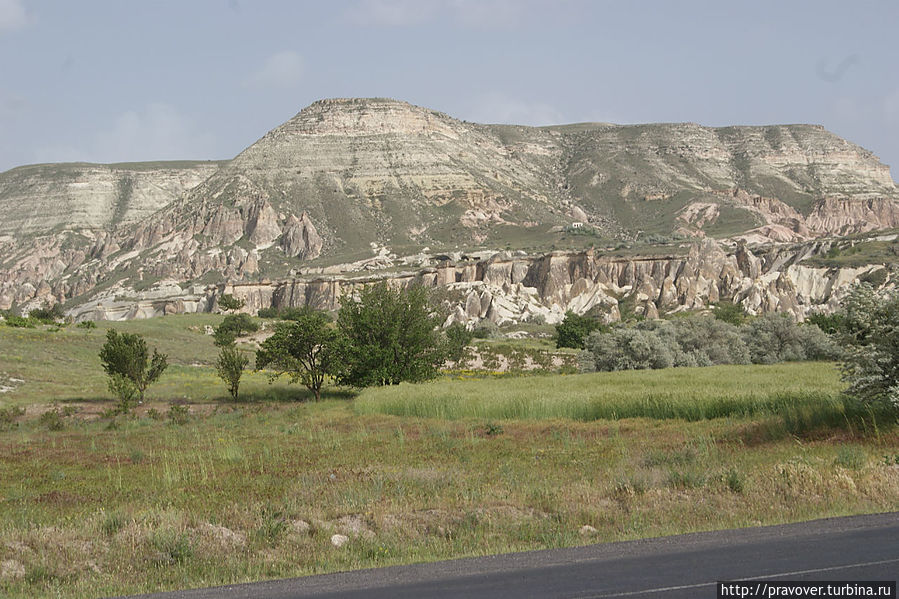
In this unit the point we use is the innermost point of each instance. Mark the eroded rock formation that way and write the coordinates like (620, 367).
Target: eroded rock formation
(507, 287)
(346, 183)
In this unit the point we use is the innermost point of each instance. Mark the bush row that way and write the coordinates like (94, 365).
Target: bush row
(705, 341)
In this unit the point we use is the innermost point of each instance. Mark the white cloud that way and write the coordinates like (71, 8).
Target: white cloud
(468, 13)
(12, 14)
(283, 70)
(499, 108)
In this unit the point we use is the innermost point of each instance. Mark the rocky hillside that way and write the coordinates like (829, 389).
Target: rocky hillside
(41, 198)
(375, 184)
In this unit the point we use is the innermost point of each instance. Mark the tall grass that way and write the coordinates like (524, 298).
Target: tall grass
(795, 390)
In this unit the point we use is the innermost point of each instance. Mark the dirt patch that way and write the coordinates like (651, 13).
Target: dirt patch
(11, 569)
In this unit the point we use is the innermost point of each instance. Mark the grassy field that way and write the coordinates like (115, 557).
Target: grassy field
(685, 393)
(235, 492)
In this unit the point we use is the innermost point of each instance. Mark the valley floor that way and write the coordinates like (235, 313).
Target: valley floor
(92, 505)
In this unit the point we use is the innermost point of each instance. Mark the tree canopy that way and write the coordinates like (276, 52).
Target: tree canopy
(574, 329)
(388, 336)
(869, 332)
(126, 359)
(304, 349)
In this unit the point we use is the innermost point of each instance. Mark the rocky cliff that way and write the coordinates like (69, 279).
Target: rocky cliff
(348, 184)
(45, 197)
(515, 287)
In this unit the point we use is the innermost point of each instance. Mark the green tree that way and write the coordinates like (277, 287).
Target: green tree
(457, 339)
(127, 361)
(229, 303)
(304, 349)
(47, 315)
(573, 330)
(232, 327)
(388, 336)
(829, 323)
(775, 337)
(730, 313)
(230, 365)
(870, 338)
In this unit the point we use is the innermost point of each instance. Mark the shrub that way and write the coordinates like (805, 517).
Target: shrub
(586, 361)
(47, 315)
(870, 337)
(232, 327)
(229, 366)
(735, 481)
(8, 417)
(629, 349)
(706, 341)
(230, 303)
(492, 429)
(52, 419)
(484, 329)
(536, 319)
(829, 323)
(775, 338)
(574, 329)
(87, 324)
(711, 341)
(178, 414)
(19, 322)
(730, 313)
(457, 339)
(127, 360)
(288, 313)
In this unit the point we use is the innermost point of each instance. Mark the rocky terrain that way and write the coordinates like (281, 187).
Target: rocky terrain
(41, 198)
(677, 216)
(517, 287)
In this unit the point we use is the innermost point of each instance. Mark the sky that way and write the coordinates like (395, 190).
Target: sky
(133, 80)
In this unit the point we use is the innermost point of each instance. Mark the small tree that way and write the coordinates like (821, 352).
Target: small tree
(304, 349)
(388, 336)
(232, 327)
(127, 361)
(775, 337)
(457, 340)
(573, 331)
(870, 336)
(230, 365)
(730, 313)
(229, 303)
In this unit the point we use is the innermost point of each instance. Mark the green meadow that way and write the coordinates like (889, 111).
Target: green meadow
(195, 490)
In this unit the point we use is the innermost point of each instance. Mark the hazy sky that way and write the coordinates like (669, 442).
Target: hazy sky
(121, 80)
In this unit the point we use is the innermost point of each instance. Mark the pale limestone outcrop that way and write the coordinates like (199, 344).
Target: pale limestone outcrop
(845, 216)
(262, 227)
(506, 288)
(300, 239)
(39, 198)
(379, 171)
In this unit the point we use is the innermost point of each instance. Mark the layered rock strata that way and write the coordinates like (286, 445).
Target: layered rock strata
(516, 287)
(345, 176)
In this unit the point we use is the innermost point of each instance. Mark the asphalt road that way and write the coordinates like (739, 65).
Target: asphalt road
(684, 566)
